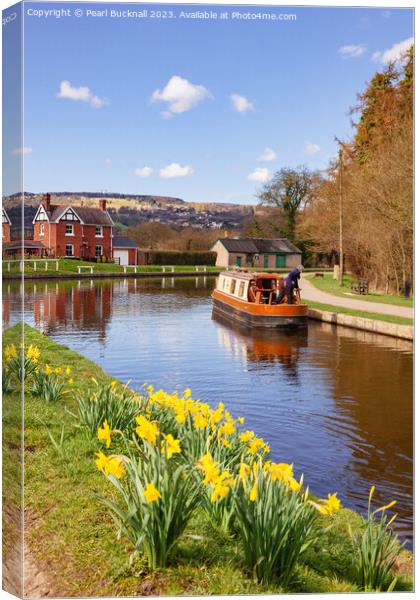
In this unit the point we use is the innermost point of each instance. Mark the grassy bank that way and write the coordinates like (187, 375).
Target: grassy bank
(72, 538)
(359, 313)
(70, 266)
(330, 285)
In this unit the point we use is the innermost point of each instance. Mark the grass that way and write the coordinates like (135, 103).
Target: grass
(330, 285)
(71, 536)
(68, 265)
(359, 313)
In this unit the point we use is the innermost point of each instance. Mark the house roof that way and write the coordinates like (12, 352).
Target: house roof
(259, 245)
(121, 241)
(88, 216)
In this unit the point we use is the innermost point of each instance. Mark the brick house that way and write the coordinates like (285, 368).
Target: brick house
(78, 231)
(256, 252)
(125, 250)
(6, 224)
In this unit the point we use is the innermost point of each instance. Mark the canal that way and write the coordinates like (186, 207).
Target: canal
(336, 402)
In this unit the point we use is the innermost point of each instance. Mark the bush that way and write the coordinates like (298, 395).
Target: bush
(161, 257)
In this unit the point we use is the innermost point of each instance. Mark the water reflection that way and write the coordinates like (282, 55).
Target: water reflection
(261, 346)
(335, 401)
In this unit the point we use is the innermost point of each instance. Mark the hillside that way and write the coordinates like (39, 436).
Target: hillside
(129, 210)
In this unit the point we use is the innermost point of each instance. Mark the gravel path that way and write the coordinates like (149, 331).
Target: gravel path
(310, 292)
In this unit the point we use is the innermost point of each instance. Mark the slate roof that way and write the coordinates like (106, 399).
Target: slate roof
(259, 245)
(89, 216)
(121, 241)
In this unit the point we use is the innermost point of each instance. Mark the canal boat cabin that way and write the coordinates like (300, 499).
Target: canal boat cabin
(249, 299)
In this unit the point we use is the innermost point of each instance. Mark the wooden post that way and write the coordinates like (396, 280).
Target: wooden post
(34, 265)
(56, 265)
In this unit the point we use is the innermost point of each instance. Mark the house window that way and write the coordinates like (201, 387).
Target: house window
(99, 231)
(69, 229)
(41, 229)
(98, 250)
(232, 286)
(69, 250)
(241, 289)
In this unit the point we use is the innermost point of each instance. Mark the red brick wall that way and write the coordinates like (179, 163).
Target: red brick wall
(6, 233)
(55, 238)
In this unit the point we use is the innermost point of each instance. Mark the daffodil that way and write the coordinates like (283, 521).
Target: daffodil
(33, 353)
(254, 492)
(115, 467)
(68, 370)
(200, 422)
(151, 493)
(246, 436)
(244, 471)
(104, 434)
(101, 461)
(146, 430)
(48, 370)
(170, 446)
(329, 506)
(210, 468)
(10, 352)
(222, 486)
(70, 381)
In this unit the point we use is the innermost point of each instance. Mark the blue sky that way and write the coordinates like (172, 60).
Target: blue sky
(205, 110)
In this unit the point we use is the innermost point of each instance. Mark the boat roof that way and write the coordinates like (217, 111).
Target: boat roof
(248, 276)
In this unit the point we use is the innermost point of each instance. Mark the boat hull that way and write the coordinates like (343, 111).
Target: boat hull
(261, 316)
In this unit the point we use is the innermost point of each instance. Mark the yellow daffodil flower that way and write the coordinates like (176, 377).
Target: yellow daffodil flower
(115, 467)
(146, 430)
(104, 434)
(151, 493)
(68, 370)
(253, 493)
(171, 446)
(244, 471)
(48, 370)
(246, 436)
(200, 422)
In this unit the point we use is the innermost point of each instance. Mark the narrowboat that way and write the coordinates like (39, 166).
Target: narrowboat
(249, 299)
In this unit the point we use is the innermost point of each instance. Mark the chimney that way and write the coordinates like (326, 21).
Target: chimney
(102, 204)
(46, 202)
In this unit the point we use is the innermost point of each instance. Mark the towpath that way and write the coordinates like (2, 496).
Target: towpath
(310, 292)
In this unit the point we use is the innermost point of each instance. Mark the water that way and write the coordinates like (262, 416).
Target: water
(335, 402)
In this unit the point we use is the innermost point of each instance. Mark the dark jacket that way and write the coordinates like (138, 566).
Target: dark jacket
(292, 279)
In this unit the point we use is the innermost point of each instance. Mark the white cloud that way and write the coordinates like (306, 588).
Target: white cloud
(82, 94)
(260, 174)
(143, 172)
(351, 51)
(241, 104)
(175, 170)
(181, 95)
(395, 53)
(20, 151)
(267, 156)
(311, 148)
(108, 161)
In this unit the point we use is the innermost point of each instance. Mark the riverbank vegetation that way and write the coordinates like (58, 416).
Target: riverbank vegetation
(86, 460)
